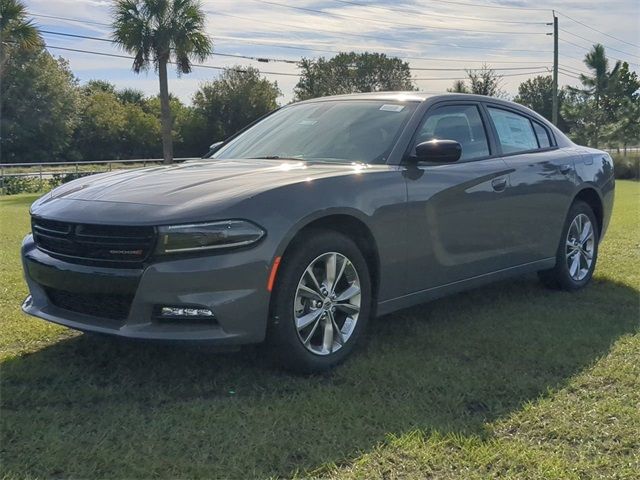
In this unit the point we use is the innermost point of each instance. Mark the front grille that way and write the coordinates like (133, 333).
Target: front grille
(80, 242)
(115, 307)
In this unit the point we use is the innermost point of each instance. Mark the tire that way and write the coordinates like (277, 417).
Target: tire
(567, 274)
(309, 331)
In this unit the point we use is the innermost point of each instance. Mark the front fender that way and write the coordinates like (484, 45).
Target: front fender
(376, 198)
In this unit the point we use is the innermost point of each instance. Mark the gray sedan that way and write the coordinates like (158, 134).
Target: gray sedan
(300, 228)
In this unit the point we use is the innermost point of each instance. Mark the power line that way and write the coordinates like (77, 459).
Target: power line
(573, 70)
(341, 1)
(568, 70)
(386, 22)
(574, 44)
(596, 30)
(475, 60)
(215, 67)
(108, 40)
(591, 41)
(457, 17)
(570, 57)
(481, 68)
(255, 58)
(504, 75)
(88, 37)
(412, 11)
(483, 5)
(589, 48)
(332, 32)
(324, 50)
(198, 65)
(568, 75)
(248, 57)
(69, 19)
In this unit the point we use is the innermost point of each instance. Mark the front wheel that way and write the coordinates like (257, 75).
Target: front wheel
(321, 304)
(578, 250)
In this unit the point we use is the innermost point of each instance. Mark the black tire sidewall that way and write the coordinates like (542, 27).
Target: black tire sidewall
(282, 336)
(563, 277)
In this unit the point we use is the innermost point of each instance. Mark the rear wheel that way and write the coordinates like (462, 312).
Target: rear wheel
(322, 302)
(578, 250)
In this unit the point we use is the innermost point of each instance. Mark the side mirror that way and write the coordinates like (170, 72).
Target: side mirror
(443, 151)
(213, 148)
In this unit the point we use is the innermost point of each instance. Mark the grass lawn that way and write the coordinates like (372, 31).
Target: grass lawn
(510, 381)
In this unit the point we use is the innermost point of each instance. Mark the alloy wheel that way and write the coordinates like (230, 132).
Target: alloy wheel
(580, 247)
(327, 303)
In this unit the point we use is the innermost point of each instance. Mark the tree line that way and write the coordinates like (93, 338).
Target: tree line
(47, 115)
(604, 111)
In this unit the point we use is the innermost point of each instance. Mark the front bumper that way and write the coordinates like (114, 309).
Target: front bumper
(232, 285)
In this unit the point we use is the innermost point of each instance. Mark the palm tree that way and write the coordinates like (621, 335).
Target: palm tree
(159, 32)
(16, 32)
(597, 84)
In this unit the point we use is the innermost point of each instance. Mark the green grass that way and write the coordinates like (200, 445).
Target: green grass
(510, 381)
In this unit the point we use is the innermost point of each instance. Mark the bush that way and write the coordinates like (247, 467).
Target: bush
(14, 185)
(627, 168)
(60, 178)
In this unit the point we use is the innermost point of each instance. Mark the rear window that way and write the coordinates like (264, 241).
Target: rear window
(515, 131)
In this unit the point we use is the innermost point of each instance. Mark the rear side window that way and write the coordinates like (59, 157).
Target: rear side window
(461, 123)
(515, 131)
(542, 135)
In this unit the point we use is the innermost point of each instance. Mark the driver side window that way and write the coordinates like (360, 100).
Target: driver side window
(461, 123)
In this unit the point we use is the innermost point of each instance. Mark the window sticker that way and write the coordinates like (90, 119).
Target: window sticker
(514, 130)
(388, 107)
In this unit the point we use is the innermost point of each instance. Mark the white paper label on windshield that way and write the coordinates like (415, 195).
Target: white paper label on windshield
(388, 107)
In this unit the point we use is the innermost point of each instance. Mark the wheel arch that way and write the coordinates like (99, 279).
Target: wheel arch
(346, 222)
(591, 197)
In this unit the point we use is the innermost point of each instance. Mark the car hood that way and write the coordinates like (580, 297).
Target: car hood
(175, 190)
(196, 180)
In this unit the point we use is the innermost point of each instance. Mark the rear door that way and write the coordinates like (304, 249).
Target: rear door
(541, 182)
(457, 216)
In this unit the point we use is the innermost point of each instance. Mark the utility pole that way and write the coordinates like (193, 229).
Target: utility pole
(554, 109)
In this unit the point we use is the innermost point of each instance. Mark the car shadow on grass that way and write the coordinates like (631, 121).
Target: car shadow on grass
(98, 407)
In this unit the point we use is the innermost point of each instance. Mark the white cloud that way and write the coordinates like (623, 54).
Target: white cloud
(250, 27)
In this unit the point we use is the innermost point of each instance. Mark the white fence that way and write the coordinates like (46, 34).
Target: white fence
(623, 151)
(46, 170)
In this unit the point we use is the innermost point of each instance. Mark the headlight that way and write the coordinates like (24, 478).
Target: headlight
(208, 236)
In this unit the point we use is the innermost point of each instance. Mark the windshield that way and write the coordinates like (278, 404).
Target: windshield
(341, 131)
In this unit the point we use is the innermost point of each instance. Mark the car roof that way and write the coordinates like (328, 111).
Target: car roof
(409, 96)
(396, 96)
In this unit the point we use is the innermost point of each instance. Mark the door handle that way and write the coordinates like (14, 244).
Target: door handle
(499, 184)
(566, 168)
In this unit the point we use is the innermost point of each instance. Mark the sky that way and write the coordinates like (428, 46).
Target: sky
(439, 38)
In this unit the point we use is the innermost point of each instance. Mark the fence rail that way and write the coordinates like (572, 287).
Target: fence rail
(622, 150)
(47, 170)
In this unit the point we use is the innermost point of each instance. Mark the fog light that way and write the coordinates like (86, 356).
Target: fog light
(185, 312)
